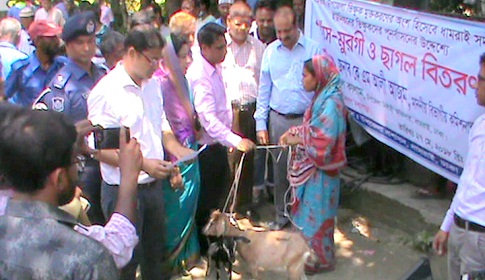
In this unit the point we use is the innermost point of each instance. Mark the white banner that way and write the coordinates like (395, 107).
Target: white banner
(409, 77)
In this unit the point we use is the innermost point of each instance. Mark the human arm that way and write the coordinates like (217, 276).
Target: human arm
(262, 102)
(323, 135)
(206, 105)
(289, 138)
(173, 146)
(440, 241)
(11, 84)
(119, 234)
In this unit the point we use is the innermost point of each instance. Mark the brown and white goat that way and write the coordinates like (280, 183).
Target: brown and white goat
(270, 250)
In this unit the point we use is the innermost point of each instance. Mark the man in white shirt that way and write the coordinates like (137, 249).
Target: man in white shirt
(462, 233)
(128, 96)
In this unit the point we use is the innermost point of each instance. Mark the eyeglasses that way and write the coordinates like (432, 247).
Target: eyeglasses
(153, 61)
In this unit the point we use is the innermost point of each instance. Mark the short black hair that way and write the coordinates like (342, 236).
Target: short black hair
(209, 33)
(482, 59)
(144, 39)
(110, 40)
(178, 41)
(266, 4)
(32, 145)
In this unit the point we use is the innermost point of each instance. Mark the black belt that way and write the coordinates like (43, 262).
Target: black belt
(468, 225)
(243, 107)
(289, 115)
(148, 185)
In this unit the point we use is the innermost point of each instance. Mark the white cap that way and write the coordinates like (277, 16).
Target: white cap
(226, 2)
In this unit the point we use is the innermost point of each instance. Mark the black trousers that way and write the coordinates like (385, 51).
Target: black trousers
(214, 186)
(244, 125)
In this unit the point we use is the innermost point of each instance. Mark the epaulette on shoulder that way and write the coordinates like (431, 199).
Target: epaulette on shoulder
(19, 64)
(60, 80)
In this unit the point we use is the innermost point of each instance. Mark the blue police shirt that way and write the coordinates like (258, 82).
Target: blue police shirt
(28, 79)
(9, 54)
(69, 90)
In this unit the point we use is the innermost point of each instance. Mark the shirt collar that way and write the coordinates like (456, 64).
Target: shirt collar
(124, 78)
(34, 61)
(301, 40)
(38, 210)
(76, 71)
(208, 68)
(230, 41)
(7, 45)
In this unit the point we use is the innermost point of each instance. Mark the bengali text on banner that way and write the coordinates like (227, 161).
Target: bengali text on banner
(409, 77)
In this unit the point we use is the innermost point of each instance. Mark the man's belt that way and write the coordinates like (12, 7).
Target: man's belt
(243, 107)
(468, 225)
(148, 185)
(289, 115)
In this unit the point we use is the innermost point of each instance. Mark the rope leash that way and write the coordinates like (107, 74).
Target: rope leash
(234, 187)
(237, 176)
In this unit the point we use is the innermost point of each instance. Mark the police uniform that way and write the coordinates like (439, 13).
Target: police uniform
(70, 87)
(68, 93)
(27, 79)
(69, 90)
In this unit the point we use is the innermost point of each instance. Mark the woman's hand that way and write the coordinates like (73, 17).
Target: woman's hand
(289, 139)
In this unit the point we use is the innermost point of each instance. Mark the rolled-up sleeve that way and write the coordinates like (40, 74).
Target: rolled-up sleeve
(118, 236)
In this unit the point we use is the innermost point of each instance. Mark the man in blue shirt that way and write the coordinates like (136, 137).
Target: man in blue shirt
(30, 76)
(9, 38)
(281, 99)
(69, 90)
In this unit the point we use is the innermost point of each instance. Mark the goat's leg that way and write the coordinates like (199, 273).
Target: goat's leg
(254, 271)
(229, 269)
(218, 269)
(296, 269)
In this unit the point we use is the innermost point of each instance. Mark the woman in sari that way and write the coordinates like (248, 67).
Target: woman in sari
(180, 202)
(317, 156)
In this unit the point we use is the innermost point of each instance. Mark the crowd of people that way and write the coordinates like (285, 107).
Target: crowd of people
(244, 86)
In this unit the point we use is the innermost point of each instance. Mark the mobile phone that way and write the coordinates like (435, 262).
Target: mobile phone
(109, 138)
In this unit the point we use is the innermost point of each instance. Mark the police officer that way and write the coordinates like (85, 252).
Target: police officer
(69, 90)
(30, 76)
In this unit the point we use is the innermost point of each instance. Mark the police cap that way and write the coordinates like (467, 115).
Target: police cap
(78, 25)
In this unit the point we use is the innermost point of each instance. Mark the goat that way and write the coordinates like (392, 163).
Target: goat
(266, 249)
(223, 252)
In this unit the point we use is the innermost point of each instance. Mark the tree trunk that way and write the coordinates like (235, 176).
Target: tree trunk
(121, 16)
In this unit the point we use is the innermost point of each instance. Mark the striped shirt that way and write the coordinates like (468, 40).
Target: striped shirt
(241, 69)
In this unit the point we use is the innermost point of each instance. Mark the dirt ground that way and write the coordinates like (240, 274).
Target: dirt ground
(365, 250)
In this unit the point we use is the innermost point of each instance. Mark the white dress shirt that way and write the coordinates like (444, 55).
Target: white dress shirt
(117, 101)
(469, 200)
